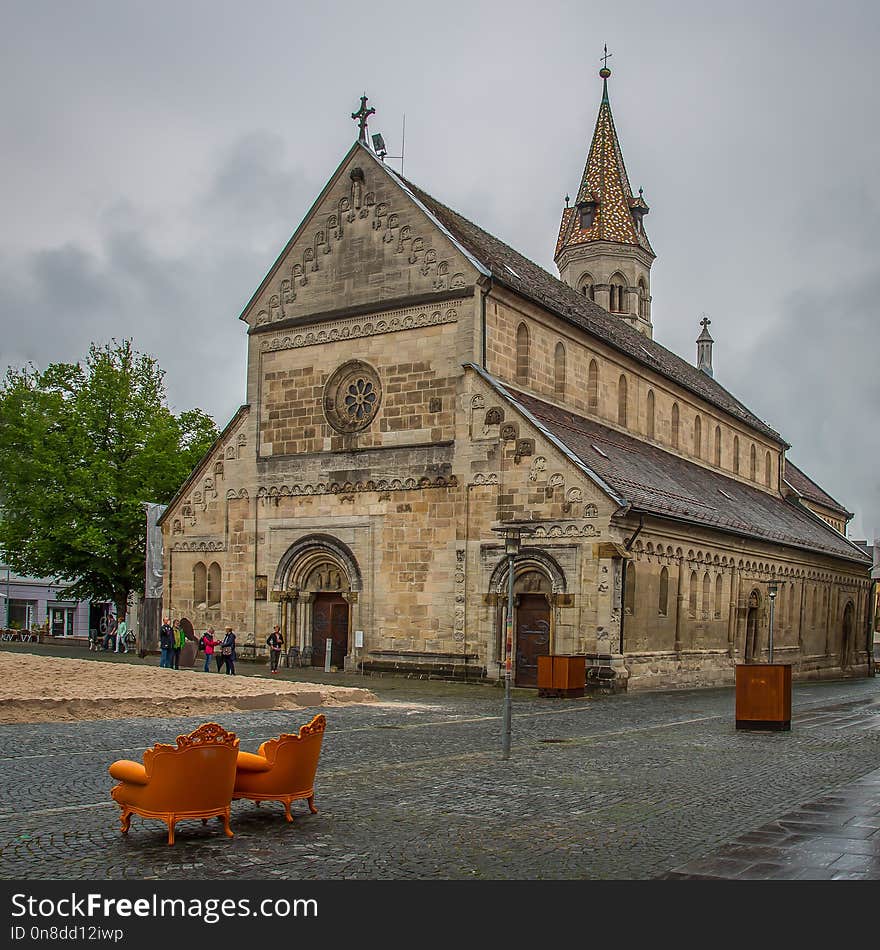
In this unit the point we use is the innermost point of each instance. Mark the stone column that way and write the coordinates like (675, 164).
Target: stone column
(679, 604)
(731, 613)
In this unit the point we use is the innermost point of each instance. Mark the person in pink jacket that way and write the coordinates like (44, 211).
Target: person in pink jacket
(208, 644)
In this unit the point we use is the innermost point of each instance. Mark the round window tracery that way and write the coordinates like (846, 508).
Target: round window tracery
(352, 396)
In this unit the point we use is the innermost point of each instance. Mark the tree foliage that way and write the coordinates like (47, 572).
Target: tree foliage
(82, 448)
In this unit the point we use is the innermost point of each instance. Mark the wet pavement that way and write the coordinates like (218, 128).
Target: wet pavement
(641, 786)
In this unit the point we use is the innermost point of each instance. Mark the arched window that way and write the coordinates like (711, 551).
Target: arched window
(559, 369)
(522, 353)
(675, 425)
(587, 287)
(618, 294)
(663, 601)
(707, 595)
(718, 446)
(643, 299)
(214, 587)
(692, 596)
(768, 470)
(621, 401)
(649, 422)
(593, 387)
(791, 602)
(200, 584)
(719, 595)
(698, 437)
(753, 463)
(629, 593)
(736, 455)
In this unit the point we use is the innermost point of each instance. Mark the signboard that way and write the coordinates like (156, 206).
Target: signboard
(261, 586)
(328, 650)
(359, 639)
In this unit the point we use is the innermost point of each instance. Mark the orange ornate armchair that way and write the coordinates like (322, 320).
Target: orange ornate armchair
(283, 769)
(193, 779)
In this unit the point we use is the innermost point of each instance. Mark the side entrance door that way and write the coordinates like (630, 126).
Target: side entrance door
(329, 619)
(532, 637)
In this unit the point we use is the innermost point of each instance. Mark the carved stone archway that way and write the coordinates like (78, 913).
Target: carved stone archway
(538, 578)
(317, 582)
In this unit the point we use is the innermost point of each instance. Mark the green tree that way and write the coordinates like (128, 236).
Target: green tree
(82, 448)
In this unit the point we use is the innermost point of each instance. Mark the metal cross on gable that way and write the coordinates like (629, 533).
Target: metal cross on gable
(606, 57)
(704, 323)
(361, 116)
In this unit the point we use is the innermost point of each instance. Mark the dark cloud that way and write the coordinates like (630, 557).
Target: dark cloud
(158, 157)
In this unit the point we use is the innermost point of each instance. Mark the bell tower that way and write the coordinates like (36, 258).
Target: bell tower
(603, 250)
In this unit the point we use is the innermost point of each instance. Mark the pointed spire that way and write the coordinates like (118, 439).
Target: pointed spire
(704, 347)
(605, 209)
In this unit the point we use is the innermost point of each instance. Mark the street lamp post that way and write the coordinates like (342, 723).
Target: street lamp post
(512, 534)
(772, 591)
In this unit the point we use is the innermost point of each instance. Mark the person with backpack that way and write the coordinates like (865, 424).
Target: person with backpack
(208, 643)
(275, 642)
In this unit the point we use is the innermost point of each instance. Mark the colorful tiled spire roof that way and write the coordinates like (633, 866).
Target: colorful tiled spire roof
(618, 215)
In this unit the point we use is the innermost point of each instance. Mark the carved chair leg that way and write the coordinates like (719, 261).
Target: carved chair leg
(311, 801)
(171, 823)
(226, 827)
(287, 814)
(125, 819)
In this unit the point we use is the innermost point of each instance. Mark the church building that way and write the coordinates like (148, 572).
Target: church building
(414, 385)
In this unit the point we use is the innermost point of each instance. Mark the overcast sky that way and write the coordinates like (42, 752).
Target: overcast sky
(157, 156)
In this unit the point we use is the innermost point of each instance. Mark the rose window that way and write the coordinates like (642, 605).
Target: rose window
(352, 396)
(359, 399)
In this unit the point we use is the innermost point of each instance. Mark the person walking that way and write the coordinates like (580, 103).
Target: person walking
(227, 651)
(166, 643)
(122, 636)
(208, 644)
(275, 642)
(179, 640)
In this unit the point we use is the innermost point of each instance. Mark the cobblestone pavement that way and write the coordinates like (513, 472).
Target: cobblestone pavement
(636, 786)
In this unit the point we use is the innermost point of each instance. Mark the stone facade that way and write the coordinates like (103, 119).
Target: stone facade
(382, 441)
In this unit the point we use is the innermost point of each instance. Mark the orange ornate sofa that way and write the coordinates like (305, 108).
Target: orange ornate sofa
(193, 779)
(283, 769)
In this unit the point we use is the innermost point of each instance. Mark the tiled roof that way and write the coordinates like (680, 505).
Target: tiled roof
(518, 273)
(805, 486)
(658, 482)
(604, 181)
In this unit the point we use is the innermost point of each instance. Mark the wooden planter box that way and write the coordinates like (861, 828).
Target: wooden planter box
(763, 696)
(562, 675)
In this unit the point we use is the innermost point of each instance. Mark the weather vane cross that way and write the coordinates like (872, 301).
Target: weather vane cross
(361, 116)
(606, 57)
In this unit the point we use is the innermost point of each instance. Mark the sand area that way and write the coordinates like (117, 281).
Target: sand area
(57, 689)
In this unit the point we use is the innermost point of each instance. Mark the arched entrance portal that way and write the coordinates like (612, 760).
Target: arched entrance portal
(846, 642)
(318, 581)
(751, 644)
(537, 579)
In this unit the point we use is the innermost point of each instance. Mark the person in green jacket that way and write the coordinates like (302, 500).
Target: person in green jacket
(177, 644)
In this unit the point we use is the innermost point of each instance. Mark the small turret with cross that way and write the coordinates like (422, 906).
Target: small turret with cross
(704, 347)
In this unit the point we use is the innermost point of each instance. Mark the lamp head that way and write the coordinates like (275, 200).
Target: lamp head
(772, 589)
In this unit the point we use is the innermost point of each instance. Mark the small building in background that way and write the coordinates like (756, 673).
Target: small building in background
(29, 602)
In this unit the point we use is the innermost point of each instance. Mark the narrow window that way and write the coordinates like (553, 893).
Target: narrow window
(692, 596)
(559, 370)
(719, 594)
(814, 614)
(753, 463)
(718, 446)
(736, 455)
(200, 584)
(214, 591)
(707, 595)
(629, 594)
(698, 437)
(522, 353)
(650, 415)
(768, 470)
(643, 299)
(663, 602)
(621, 401)
(587, 287)
(593, 387)
(675, 425)
(618, 294)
